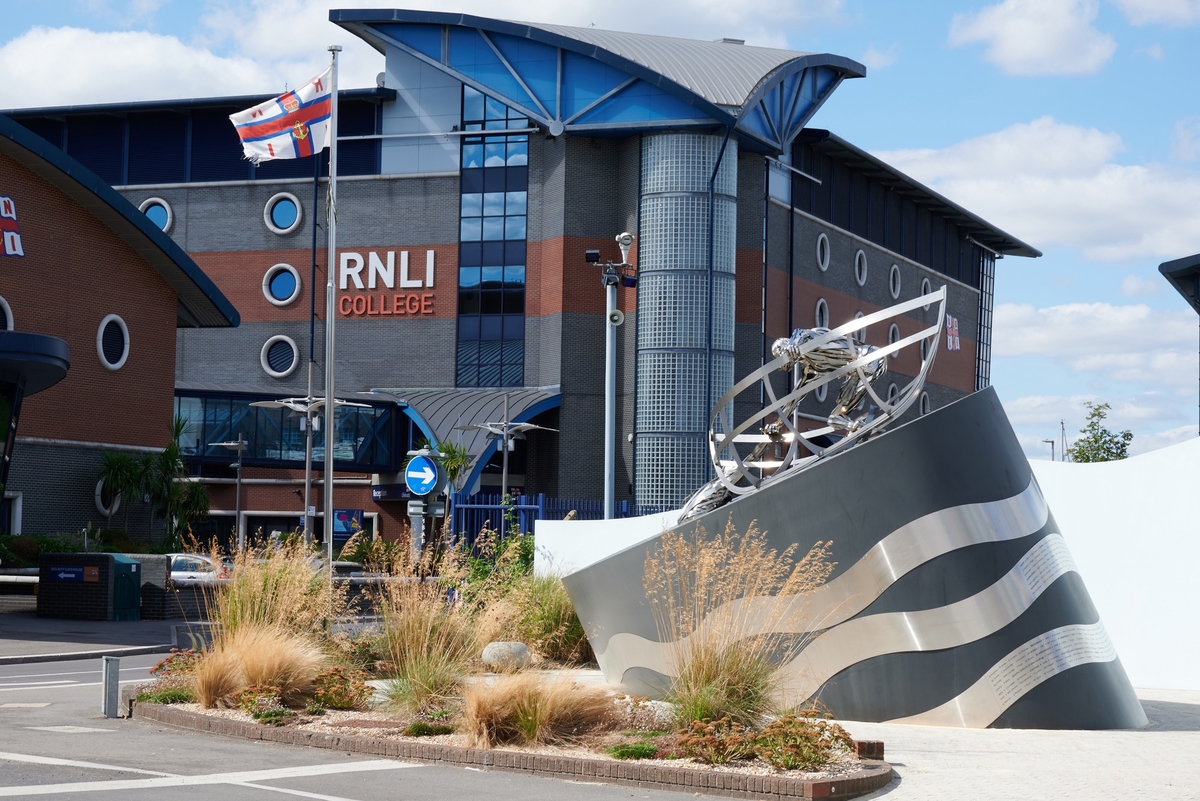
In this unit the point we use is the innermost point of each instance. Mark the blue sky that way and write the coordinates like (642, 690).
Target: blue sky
(1072, 124)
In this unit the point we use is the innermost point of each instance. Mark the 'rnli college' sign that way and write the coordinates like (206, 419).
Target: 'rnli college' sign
(10, 232)
(378, 286)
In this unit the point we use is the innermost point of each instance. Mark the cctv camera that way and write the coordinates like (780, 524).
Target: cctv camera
(625, 242)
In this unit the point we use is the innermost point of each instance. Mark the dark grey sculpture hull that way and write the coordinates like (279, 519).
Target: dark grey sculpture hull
(954, 600)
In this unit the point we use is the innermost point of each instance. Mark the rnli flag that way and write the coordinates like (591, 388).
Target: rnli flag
(291, 126)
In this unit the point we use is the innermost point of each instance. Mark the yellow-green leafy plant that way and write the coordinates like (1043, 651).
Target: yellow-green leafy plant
(718, 602)
(797, 742)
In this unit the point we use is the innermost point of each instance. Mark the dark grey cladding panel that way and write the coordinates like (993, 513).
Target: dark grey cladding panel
(963, 454)
(1092, 696)
(954, 576)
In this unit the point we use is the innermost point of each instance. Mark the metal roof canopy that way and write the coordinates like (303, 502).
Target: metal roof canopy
(442, 410)
(1184, 275)
(199, 302)
(987, 234)
(375, 94)
(590, 81)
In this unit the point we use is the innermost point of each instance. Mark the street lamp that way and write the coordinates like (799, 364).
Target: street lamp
(626, 275)
(310, 407)
(240, 446)
(1050, 442)
(506, 431)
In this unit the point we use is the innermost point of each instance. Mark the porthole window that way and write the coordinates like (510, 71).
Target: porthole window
(821, 392)
(893, 391)
(923, 405)
(6, 318)
(281, 284)
(279, 356)
(860, 268)
(860, 334)
(158, 211)
(822, 316)
(893, 334)
(107, 503)
(894, 281)
(112, 342)
(926, 288)
(282, 213)
(924, 349)
(822, 252)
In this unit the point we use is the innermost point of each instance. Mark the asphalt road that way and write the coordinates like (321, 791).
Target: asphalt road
(55, 743)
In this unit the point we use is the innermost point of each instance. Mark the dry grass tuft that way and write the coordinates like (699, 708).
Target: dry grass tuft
(258, 655)
(523, 709)
(714, 601)
(430, 643)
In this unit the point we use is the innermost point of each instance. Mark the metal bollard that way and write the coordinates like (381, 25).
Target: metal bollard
(110, 686)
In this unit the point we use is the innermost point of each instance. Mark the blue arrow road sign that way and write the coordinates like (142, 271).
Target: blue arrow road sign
(421, 475)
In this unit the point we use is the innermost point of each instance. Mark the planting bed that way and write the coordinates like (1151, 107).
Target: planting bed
(379, 734)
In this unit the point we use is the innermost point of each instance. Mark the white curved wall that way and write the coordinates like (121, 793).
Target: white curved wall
(1134, 529)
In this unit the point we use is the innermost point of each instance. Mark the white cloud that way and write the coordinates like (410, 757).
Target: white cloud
(1154, 51)
(259, 46)
(1130, 343)
(1145, 443)
(1185, 139)
(1037, 37)
(1055, 184)
(876, 59)
(1168, 12)
(1136, 287)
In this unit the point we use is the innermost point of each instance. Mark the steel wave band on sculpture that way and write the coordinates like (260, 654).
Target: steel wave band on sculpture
(1036, 661)
(894, 556)
(948, 626)
(819, 357)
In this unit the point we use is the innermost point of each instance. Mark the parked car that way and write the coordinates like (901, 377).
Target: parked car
(192, 567)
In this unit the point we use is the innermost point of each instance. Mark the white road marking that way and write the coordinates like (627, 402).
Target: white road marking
(68, 729)
(242, 777)
(74, 763)
(24, 706)
(69, 673)
(289, 791)
(33, 683)
(60, 686)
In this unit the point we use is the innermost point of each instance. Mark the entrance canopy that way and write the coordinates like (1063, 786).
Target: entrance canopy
(591, 82)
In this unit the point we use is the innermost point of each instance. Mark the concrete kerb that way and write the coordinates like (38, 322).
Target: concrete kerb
(633, 774)
(23, 659)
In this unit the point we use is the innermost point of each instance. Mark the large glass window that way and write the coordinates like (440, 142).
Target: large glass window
(369, 440)
(492, 235)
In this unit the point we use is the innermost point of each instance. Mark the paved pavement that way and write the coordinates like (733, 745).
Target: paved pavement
(25, 637)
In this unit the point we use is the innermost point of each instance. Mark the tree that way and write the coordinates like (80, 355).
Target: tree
(120, 473)
(1098, 444)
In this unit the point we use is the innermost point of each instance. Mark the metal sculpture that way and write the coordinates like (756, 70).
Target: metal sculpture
(816, 357)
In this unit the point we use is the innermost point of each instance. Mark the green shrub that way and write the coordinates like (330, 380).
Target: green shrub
(716, 743)
(423, 729)
(339, 688)
(642, 750)
(274, 717)
(258, 698)
(804, 743)
(173, 695)
(313, 708)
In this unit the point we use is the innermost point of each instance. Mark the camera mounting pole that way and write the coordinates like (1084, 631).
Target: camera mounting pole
(614, 274)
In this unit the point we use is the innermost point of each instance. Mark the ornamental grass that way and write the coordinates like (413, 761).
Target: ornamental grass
(718, 604)
(262, 655)
(523, 709)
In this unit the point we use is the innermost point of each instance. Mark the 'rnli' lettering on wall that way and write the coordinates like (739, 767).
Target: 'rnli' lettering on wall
(378, 272)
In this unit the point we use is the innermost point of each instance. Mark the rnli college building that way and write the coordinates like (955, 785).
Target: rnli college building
(472, 178)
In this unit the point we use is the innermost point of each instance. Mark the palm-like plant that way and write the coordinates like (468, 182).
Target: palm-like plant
(120, 473)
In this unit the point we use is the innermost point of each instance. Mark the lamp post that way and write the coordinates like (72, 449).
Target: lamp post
(240, 446)
(310, 407)
(506, 431)
(613, 275)
(1050, 442)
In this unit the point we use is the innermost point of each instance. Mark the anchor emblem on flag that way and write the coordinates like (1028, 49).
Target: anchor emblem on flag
(300, 130)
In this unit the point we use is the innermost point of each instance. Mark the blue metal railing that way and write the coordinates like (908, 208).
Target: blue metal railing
(474, 513)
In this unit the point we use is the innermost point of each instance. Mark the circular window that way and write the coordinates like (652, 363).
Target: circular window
(926, 288)
(860, 334)
(893, 334)
(822, 252)
(112, 342)
(6, 320)
(893, 391)
(159, 212)
(822, 315)
(279, 356)
(924, 349)
(282, 213)
(894, 281)
(821, 392)
(107, 503)
(860, 268)
(923, 406)
(281, 284)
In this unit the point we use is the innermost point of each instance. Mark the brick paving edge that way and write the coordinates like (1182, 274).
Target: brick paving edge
(708, 782)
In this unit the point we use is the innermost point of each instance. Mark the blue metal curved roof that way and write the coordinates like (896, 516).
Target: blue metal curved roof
(200, 303)
(589, 80)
